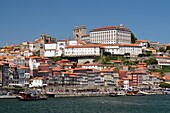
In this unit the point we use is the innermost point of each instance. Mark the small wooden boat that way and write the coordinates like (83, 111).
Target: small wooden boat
(24, 96)
(135, 93)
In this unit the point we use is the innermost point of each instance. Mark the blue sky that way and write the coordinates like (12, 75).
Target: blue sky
(26, 20)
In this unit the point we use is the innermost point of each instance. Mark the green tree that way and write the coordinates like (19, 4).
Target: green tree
(168, 48)
(164, 85)
(148, 53)
(105, 61)
(97, 59)
(162, 73)
(86, 62)
(133, 38)
(141, 55)
(106, 53)
(136, 62)
(114, 58)
(126, 54)
(126, 62)
(162, 49)
(55, 59)
(151, 61)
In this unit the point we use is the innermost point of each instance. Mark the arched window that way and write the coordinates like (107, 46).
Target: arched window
(61, 44)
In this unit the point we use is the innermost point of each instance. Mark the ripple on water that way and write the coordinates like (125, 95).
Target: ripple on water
(143, 104)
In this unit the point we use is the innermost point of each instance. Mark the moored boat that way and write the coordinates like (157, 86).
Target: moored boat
(135, 93)
(117, 94)
(9, 95)
(114, 95)
(24, 96)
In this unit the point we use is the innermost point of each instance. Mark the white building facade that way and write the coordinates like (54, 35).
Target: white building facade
(34, 62)
(121, 49)
(111, 35)
(83, 50)
(50, 50)
(163, 60)
(36, 82)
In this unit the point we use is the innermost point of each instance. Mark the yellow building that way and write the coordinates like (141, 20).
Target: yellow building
(152, 50)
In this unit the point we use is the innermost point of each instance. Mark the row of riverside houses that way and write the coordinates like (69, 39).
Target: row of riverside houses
(86, 76)
(29, 65)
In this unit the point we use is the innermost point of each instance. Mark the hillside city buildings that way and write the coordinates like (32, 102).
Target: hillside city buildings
(34, 64)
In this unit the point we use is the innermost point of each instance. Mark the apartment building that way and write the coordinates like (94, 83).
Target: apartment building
(24, 75)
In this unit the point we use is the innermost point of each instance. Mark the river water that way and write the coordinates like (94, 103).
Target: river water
(125, 104)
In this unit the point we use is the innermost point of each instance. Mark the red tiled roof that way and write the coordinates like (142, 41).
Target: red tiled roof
(62, 40)
(56, 69)
(83, 46)
(91, 64)
(163, 57)
(43, 64)
(168, 44)
(86, 35)
(141, 41)
(72, 75)
(37, 78)
(43, 71)
(105, 70)
(79, 69)
(34, 57)
(23, 67)
(166, 77)
(126, 79)
(81, 42)
(102, 45)
(116, 61)
(108, 28)
(139, 72)
(122, 45)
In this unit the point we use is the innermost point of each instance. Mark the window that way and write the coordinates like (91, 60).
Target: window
(61, 44)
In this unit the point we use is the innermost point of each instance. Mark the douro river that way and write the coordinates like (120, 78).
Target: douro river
(125, 104)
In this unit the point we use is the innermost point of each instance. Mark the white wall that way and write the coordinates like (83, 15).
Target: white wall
(121, 50)
(51, 46)
(61, 45)
(49, 53)
(82, 51)
(73, 42)
(31, 47)
(33, 64)
(36, 83)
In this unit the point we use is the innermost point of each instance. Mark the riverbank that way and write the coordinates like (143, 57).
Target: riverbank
(92, 94)
(86, 94)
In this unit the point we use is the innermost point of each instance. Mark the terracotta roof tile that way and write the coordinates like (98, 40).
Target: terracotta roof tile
(34, 57)
(23, 67)
(109, 28)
